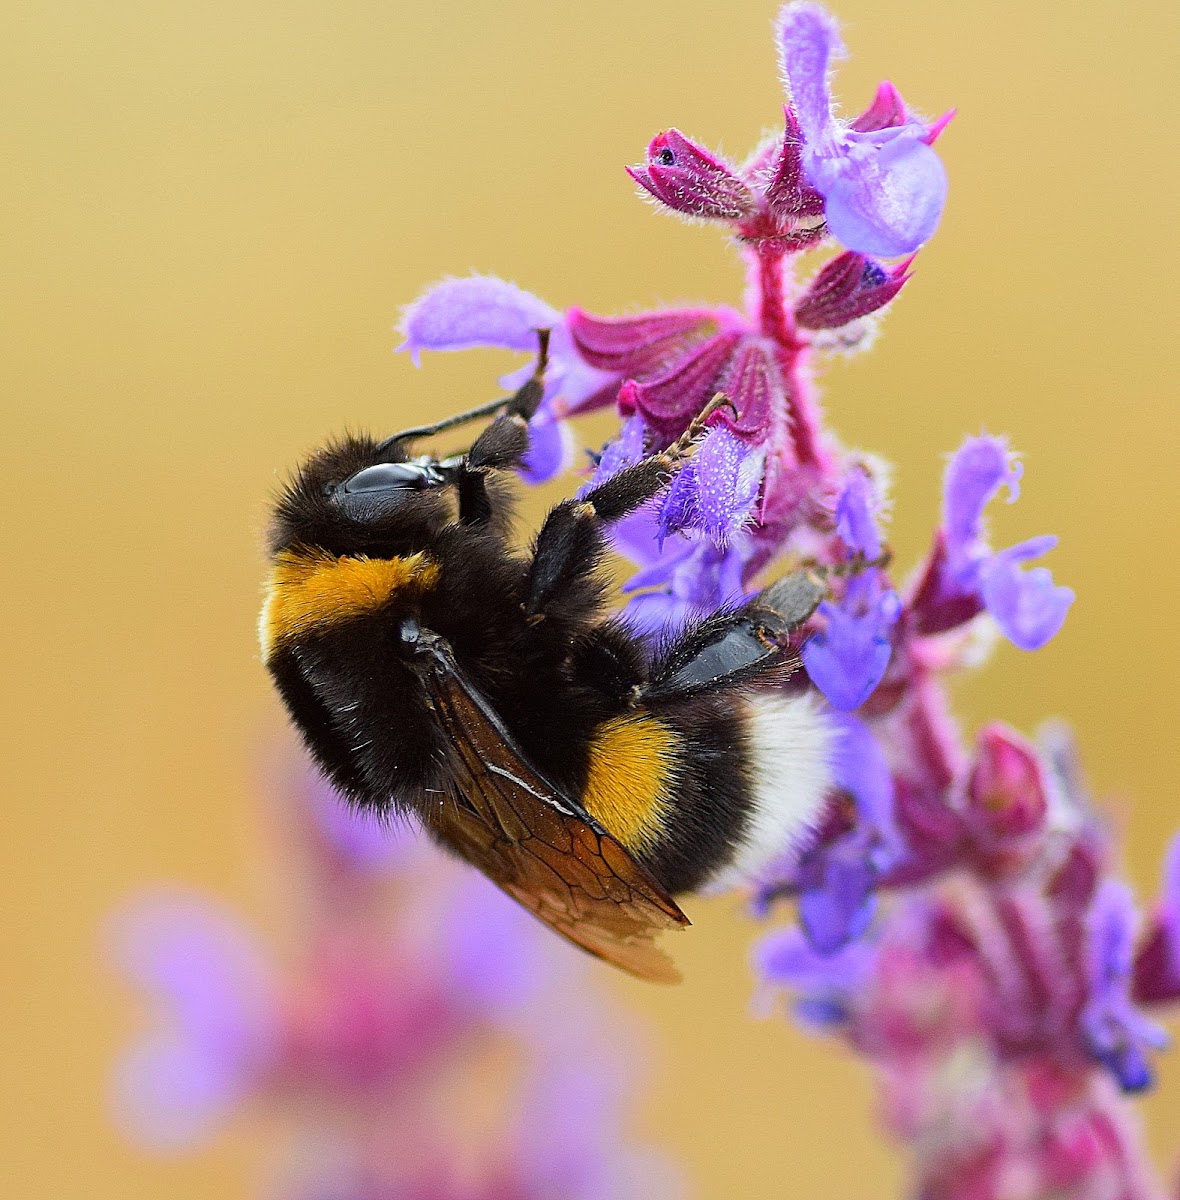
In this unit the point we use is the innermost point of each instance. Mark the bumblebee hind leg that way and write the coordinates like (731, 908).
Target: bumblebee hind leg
(734, 647)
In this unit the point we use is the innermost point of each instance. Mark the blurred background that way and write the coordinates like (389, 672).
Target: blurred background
(213, 213)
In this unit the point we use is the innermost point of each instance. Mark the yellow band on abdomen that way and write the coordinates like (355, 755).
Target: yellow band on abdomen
(310, 591)
(632, 763)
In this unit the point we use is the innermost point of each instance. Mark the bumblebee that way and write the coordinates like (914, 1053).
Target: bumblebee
(433, 669)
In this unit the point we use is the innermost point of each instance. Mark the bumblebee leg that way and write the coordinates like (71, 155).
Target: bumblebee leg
(570, 546)
(525, 402)
(501, 446)
(732, 647)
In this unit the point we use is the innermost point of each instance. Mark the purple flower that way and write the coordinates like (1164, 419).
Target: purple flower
(680, 581)
(177, 1083)
(359, 839)
(884, 187)
(1028, 606)
(836, 879)
(480, 310)
(828, 984)
(715, 492)
(857, 512)
(1114, 1031)
(848, 658)
(494, 952)
(965, 576)
(1157, 965)
(625, 451)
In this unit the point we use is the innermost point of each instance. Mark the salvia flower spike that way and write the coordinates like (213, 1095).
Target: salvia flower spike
(958, 921)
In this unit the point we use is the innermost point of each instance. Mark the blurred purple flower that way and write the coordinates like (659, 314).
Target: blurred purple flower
(884, 187)
(480, 310)
(1115, 1032)
(494, 951)
(362, 839)
(827, 985)
(220, 1033)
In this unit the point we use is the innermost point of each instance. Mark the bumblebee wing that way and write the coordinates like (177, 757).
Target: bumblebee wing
(544, 850)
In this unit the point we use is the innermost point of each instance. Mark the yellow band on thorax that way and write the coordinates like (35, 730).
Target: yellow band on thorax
(309, 591)
(632, 764)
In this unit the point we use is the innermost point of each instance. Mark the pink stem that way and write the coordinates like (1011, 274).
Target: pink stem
(776, 321)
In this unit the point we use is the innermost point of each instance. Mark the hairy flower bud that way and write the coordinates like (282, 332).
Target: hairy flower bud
(850, 286)
(690, 180)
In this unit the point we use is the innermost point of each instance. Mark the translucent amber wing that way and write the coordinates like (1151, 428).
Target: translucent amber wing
(547, 853)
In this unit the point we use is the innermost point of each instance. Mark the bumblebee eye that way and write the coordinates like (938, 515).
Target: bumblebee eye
(389, 475)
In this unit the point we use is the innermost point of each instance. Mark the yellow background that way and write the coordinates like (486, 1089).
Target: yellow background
(212, 213)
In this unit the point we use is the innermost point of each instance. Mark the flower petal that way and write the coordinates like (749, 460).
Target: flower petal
(848, 659)
(884, 190)
(551, 447)
(856, 514)
(887, 109)
(480, 310)
(635, 345)
(860, 769)
(754, 384)
(976, 472)
(828, 983)
(670, 401)
(1027, 606)
(715, 493)
(851, 286)
(808, 39)
(625, 451)
(840, 909)
(170, 1094)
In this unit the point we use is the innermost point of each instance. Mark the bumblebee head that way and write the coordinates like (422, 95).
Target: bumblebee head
(361, 496)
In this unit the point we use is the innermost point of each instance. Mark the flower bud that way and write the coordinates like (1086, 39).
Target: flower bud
(1006, 796)
(850, 286)
(690, 180)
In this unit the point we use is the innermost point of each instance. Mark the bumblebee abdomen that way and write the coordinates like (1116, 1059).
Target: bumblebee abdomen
(630, 780)
(708, 790)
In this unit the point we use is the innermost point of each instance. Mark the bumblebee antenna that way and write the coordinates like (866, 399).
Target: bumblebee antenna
(525, 401)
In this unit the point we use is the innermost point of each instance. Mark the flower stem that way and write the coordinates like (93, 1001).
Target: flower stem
(776, 321)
